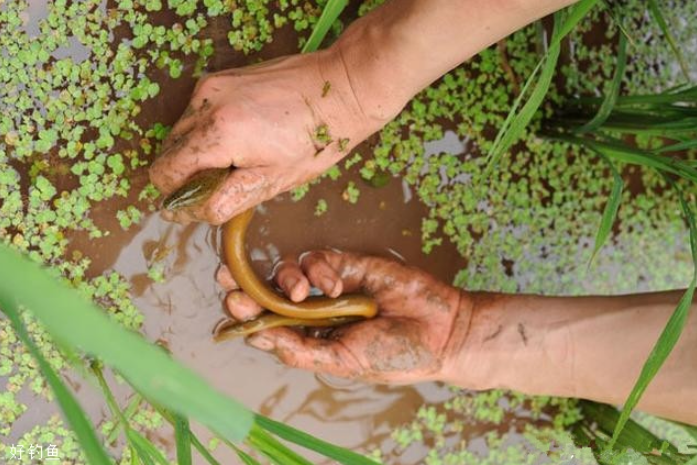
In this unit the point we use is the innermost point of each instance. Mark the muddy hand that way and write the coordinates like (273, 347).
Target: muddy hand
(279, 124)
(407, 342)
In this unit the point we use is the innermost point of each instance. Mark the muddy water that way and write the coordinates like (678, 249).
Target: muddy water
(181, 311)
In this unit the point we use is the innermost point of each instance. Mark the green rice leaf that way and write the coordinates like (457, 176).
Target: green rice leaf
(76, 417)
(274, 449)
(245, 457)
(331, 12)
(618, 21)
(678, 147)
(147, 451)
(203, 451)
(671, 333)
(300, 438)
(515, 123)
(508, 135)
(182, 437)
(611, 208)
(74, 322)
(663, 24)
(576, 13)
(613, 92)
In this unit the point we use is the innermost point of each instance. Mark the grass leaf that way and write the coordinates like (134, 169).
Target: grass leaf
(74, 414)
(613, 92)
(663, 24)
(331, 12)
(300, 438)
(182, 437)
(576, 13)
(147, 451)
(272, 448)
(75, 322)
(671, 333)
(515, 123)
(611, 208)
(245, 457)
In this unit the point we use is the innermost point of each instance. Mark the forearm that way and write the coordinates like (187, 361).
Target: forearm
(403, 46)
(588, 347)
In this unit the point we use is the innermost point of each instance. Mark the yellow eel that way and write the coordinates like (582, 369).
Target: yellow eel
(314, 311)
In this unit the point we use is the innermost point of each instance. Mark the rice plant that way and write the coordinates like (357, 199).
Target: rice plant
(607, 126)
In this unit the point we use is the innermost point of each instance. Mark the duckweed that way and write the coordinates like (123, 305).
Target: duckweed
(74, 80)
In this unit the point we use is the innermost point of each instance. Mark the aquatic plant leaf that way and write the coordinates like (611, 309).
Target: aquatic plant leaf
(300, 438)
(331, 11)
(613, 92)
(182, 437)
(74, 414)
(672, 331)
(663, 24)
(77, 323)
(611, 208)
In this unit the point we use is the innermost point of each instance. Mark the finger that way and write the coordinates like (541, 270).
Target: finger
(241, 307)
(225, 279)
(291, 279)
(244, 188)
(318, 355)
(241, 190)
(321, 274)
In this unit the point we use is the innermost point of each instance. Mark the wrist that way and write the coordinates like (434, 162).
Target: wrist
(466, 363)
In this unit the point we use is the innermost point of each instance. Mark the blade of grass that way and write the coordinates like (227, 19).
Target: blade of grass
(203, 451)
(74, 414)
(611, 208)
(145, 450)
(331, 12)
(245, 457)
(130, 410)
(616, 150)
(576, 13)
(77, 323)
(148, 452)
(679, 147)
(613, 92)
(671, 333)
(663, 24)
(620, 24)
(300, 438)
(198, 445)
(515, 123)
(182, 437)
(274, 449)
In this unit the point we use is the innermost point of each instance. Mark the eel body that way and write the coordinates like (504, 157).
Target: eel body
(315, 311)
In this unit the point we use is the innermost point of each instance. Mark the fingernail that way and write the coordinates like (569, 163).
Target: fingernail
(260, 342)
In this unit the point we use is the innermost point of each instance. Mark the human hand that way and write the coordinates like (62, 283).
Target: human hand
(409, 341)
(280, 124)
